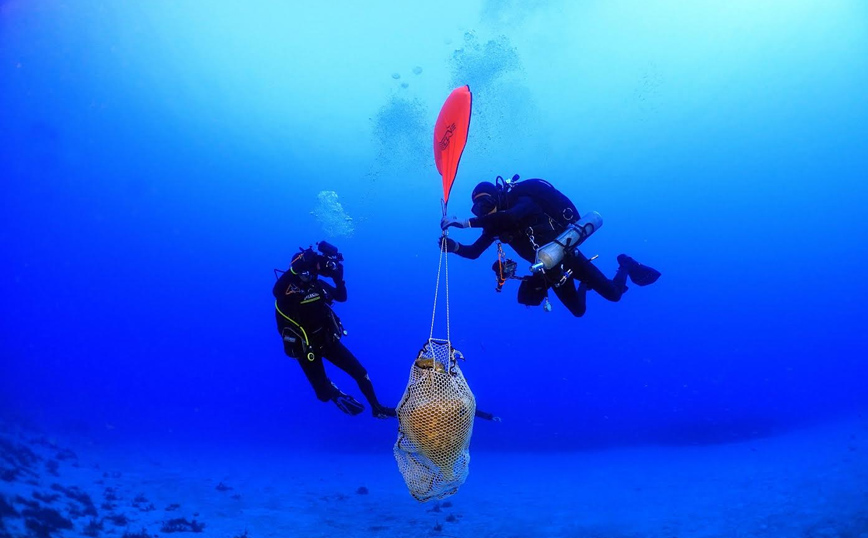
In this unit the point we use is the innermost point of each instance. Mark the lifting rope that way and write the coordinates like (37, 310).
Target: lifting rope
(442, 264)
(435, 414)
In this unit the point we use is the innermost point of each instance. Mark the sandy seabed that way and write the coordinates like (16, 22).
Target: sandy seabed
(807, 483)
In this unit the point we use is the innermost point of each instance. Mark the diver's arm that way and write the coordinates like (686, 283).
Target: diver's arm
(476, 249)
(338, 292)
(507, 219)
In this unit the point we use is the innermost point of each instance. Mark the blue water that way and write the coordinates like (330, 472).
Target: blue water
(160, 159)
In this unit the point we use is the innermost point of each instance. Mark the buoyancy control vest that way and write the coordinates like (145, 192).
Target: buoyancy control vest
(558, 210)
(306, 307)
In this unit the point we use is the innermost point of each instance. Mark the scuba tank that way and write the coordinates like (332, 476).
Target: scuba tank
(550, 255)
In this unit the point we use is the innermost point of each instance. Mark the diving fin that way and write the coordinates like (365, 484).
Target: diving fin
(347, 403)
(384, 412)
(639, 274)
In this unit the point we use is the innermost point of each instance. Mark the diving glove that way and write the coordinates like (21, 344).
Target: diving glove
(450, 244)
(347, 403)
(337, 271)
(447, 222)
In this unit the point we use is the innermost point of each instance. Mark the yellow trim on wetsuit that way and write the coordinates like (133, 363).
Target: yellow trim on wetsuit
(310, 355)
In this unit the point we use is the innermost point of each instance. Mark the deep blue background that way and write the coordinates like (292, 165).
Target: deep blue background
(159, 161)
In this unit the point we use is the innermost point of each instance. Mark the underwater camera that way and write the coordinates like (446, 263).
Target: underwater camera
(331, 255)
(503, 271)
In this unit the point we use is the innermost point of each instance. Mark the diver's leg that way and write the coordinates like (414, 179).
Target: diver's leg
(487, 416)
(326, 390)
(344, 359)
(572, 298)
(585, 271)
(315, 373)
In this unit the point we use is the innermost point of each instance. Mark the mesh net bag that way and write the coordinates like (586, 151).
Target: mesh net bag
(435, 423)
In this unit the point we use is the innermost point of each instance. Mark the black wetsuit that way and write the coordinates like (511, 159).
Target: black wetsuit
(309, 305)
(521, 225)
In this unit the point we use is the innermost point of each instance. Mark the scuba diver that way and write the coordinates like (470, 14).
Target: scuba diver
(533, 217)
(311, 331)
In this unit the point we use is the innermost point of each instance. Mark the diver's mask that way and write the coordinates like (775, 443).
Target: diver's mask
(306, 276)
(304, 265)
(483, 204)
